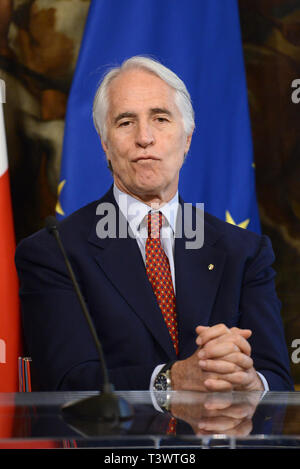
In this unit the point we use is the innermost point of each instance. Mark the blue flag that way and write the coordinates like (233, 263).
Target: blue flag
(200, 41)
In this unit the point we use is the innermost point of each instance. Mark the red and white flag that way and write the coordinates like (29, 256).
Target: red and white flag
(10, 321)
(11, 432)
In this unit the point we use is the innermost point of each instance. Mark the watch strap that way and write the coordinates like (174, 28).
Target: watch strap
(167, 366)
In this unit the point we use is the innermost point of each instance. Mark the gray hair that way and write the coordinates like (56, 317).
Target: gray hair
(182, 96)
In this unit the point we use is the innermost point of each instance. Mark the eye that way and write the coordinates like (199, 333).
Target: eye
(125, 124)
(162, 119)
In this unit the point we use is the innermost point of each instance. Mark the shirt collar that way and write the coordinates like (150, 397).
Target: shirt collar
(135, 211)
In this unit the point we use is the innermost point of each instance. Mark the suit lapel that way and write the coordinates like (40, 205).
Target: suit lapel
(121, 261)
(196, 285)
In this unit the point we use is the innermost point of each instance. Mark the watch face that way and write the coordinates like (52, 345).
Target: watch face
(161, 399)
(161, 383)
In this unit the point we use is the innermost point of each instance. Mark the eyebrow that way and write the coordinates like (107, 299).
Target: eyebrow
(160, 110)
(123, 115)
(153, 111)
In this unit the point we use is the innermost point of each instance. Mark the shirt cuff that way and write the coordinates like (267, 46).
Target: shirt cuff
(152, 392)
(264, 381)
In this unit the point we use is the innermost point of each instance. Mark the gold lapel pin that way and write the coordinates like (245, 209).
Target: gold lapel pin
(211, 267)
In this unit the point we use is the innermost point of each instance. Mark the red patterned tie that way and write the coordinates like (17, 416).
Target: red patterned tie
(159, 274)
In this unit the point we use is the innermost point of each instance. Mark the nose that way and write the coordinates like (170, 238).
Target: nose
(144, 135)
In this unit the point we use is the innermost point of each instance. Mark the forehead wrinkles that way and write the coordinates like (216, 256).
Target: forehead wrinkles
(136, 89)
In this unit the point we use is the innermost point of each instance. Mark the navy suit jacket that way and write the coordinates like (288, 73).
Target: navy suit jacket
(239, 291)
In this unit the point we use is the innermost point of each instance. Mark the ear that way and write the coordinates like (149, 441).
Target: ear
(104, 146)
(188, 142)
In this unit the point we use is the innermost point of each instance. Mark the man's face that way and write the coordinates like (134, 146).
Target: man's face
(145, 141)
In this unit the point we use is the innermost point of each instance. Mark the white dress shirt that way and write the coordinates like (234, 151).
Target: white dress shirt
(136, 213)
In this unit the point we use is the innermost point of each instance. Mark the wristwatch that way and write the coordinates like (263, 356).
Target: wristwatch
(162, 381)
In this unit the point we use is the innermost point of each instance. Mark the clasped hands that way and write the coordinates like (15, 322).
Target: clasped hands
(221, 363)
(216, 413)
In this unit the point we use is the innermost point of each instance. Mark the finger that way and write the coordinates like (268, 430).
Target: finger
(244, 428)
(243, 332)
(229, 413)
(219, 366)
(237, 339)
(238, 379)
(201, 329)
(238, 411)
(218, 401)
(229, 364)
(218, 424)
(217, 351)
(218, 385)
(240, 359)
(242, 343)
(210, 333)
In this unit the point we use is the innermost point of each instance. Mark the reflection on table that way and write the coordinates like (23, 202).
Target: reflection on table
(232, 420)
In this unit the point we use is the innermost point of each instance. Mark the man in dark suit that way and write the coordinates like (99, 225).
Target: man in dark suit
(169, 316)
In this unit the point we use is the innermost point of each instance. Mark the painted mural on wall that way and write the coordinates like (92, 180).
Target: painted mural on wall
(271, 41)
(39, 45)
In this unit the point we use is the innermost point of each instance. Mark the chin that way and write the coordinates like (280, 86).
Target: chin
(148, 188)
(145, 191)
(150, 182)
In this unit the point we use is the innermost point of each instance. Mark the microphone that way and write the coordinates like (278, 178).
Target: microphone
(106, 407)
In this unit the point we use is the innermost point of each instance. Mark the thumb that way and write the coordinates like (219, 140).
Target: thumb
(200, 329)
(246, 333)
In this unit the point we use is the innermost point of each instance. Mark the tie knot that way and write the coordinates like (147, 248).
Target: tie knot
(154, 224)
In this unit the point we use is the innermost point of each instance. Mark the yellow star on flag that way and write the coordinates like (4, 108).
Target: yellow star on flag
(243, 224)
(58, 207)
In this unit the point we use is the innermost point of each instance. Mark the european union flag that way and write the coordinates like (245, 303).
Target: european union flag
(200, 41)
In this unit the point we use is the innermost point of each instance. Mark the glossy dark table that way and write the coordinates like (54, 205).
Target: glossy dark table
(214, 420)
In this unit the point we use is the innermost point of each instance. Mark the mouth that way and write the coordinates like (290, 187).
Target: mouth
(145, 158)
